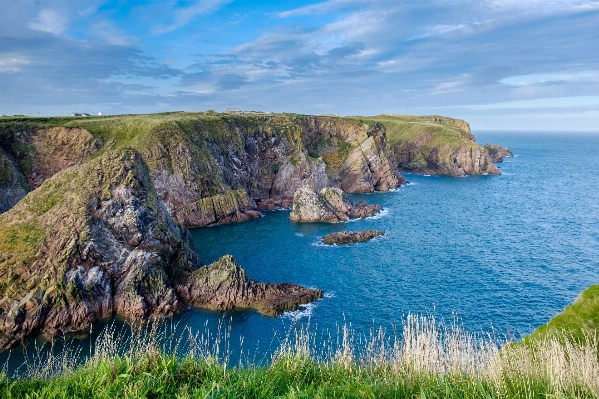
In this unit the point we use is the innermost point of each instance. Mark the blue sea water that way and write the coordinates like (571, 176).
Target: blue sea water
(502, 253)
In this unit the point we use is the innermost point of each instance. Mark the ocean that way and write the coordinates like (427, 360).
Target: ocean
(500, 254)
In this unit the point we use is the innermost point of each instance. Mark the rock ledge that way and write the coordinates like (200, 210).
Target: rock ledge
(346, 237)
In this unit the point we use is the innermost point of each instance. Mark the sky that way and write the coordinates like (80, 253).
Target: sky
(499, 64)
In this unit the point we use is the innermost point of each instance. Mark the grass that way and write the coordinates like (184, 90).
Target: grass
(430, 360)
(581, 318)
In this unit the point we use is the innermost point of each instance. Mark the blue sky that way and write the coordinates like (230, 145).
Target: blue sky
(500, 64)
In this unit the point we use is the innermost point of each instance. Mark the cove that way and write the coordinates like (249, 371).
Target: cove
(502, 253)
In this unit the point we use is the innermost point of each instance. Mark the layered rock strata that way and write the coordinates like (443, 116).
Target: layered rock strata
(497, 152)
(346, 237)
(96, 241)
(329, 205)
(210, 169)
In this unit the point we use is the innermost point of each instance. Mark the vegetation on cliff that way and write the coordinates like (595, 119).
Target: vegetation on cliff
(195, 156)
(580, 320)
(95, 241)
(434, 145)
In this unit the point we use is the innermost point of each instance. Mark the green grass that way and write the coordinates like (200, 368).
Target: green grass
(429, 361)
(579, 319)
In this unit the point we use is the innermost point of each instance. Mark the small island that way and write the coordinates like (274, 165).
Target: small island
(346, 237)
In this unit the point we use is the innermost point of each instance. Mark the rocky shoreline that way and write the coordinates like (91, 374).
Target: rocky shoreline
(94, 213)
(110, 248)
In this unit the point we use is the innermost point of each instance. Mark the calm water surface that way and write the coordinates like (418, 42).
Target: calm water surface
(501, 252)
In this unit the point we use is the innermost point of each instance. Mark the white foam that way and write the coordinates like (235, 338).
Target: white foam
(379, 215)
(303, 311)
(411, 183)
(426, 175)
(299, 235)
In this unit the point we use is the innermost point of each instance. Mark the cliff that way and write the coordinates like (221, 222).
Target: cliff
(210, 168)
(95, 241)
(434, 145)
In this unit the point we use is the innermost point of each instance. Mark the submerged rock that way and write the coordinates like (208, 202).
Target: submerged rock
(329, 205)
(95, 241)
(346, 237)
(497, 152)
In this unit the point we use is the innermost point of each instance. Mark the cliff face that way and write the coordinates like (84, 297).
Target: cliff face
(435, 145)
(13, 184)
(222, 169)
(95, 241)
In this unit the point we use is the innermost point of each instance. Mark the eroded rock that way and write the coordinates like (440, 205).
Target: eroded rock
(329, 205)
(346, 237)
(223, 285)
(497, 152)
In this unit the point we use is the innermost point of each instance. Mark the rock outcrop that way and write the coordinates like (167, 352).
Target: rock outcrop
(330, 205)
(497, 152)
(346, 237)
(96, 241)
(434, 145)
(224, 285)
(13, 184)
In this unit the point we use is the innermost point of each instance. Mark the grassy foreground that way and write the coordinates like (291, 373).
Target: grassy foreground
(431, 360)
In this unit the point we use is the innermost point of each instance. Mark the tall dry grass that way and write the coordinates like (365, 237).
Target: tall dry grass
(480, 365)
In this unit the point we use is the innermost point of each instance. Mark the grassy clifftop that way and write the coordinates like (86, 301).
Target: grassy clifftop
(435, 145)
(579, 320)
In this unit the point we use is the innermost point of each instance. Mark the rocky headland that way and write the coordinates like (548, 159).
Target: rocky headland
(497, 152)
(96, 241)
(346, 237)
(93, 211)
(434, 145)
(329, 205)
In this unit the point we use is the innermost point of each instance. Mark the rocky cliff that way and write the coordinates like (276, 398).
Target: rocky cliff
(329, 205)
(13, 184)
(210, 169)
(434, 145)
(95, 240)
(497, 152)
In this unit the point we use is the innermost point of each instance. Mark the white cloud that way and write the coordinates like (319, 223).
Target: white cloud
(110, 34)
(449, 87)
(10, 63)
(326, 6)
(185, 15)
(538, 79)
(50, 21)
(554, 102)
